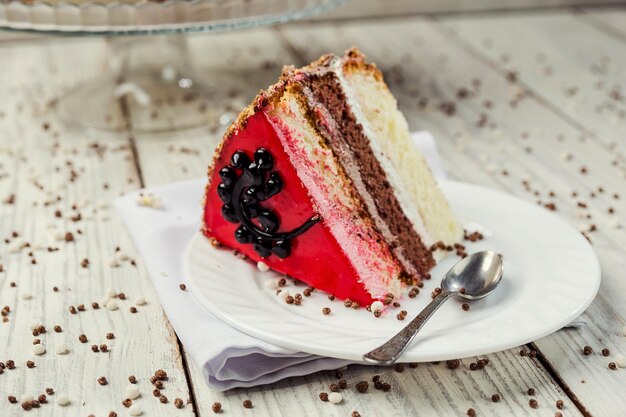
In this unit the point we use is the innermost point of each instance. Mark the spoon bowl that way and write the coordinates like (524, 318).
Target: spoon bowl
(475, 276)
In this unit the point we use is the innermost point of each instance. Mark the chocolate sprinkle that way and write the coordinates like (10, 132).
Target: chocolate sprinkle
(453, 364)
(362, 386)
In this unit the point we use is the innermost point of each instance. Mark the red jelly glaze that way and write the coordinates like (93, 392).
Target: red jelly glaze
(316, 258)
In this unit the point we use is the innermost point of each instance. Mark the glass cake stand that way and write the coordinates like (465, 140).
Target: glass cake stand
(151, 83)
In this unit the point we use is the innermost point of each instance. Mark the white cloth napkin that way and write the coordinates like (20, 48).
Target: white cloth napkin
(227, 357)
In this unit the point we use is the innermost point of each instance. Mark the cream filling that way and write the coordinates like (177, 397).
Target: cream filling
(404, 199)
(414, 185)
(354, 174)
(314, 163)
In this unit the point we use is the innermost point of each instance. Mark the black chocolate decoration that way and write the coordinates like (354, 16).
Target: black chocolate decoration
(242, 194)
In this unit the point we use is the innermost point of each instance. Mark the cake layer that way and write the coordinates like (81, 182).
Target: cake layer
(412, 181)
(341, 122)
(352, 147)
(333, 195)
(315, 256)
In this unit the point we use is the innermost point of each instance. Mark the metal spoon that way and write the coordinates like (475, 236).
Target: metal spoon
(473, 277)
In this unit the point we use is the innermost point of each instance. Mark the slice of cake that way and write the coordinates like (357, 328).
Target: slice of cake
(319, 180)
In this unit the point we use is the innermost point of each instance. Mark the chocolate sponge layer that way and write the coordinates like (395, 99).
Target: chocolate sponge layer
(352, 148)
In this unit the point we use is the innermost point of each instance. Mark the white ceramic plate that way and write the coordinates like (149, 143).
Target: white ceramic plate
(551, 276)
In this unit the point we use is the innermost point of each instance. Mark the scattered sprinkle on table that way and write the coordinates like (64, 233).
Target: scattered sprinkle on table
(61, 349)
(132, 392)
(63, 400)
(335, 397)
(216, 407)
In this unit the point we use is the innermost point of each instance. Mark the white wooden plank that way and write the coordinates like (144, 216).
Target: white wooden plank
(566, 62)
(374, 8)
(429, 389)
(610, 20)
(524, 135)
(36, 151)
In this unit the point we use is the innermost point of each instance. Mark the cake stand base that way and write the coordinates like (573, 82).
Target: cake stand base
(150, 87)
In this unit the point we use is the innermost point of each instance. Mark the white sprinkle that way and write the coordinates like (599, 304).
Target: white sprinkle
(168, 73)
(113, 263)
(63, 400)
(26, 398)
(566, 156)
(112, 305)
(271, 283)
(61, 349)
(149, 200)
(335, 397)
(615, 224)
(104, 300)
(37, 246)
(283, 295)
(16, 246)
(226, 118)
(140, 301)
(132, 392)
(26, 296)
(377, 306)
(135, 410)
(121, 256)
(620, 360)
(39, 349)
(111, 293)
(263, 267)
(491, 168)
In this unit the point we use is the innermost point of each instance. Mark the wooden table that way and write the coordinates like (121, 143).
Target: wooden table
(532, 103)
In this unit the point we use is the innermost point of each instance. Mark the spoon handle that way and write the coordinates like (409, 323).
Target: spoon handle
(389, 352)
